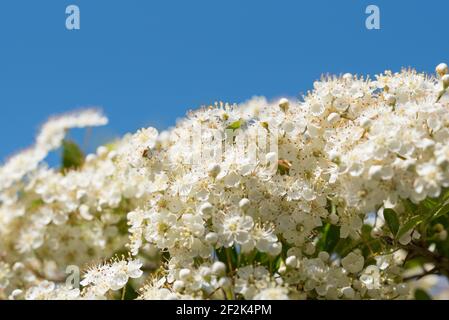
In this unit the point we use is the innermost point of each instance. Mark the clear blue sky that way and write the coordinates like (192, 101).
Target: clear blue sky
(148, 62)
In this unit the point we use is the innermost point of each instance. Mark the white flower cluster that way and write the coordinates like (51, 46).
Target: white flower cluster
(111, 276)
(99, 283)
(352, 147)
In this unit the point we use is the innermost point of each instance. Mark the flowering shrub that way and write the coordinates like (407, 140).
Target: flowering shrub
(356, 206)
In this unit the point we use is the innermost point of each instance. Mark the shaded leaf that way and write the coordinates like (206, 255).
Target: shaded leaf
(409, 206)
(441, 211)
(411, 224)
(72, 156)
(391, 218)
(329, 238)
(130, 293)
(277, 263)
(430, 203)
(420, 294)
(344, 246)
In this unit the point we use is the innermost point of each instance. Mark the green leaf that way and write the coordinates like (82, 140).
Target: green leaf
(130, 293)
(445, 194)
(35, 204)
(329, 238)
(344, 246)
(411, 224)
(277, 263)
(420, 294)
(441, 211)
(72, 156)
(235, 125)
(430, 203)
(391, 218)
(410, 206)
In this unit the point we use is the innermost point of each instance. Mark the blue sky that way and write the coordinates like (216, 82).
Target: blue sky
(148, 62)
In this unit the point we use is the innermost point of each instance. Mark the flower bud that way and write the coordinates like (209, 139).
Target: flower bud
(291, 262)
(178, 285)
(390, 99)
(347, 76)
(112, 155)
(333, 117)
(224, 282)
(284, 104)
(219, 268)
(102, 151)
(275, 249)
(184, 274)
(205, 272)
(211, 238)
(244, 204)
(84, 212)
(442, 69)
(15, 294)
(206, 208)
(334, 218)
(376, 233)
(282, 269)
(90, 158)
(405, 239)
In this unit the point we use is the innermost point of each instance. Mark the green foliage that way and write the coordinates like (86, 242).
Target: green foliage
(229, 256)
(442, 210)
(409, 225)
(235, 125)
(442, 245)
(72, 156)
(430, 218)
(130, 293)
(392, 220)
(35, 204)
(420, 294)
(329, 238)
